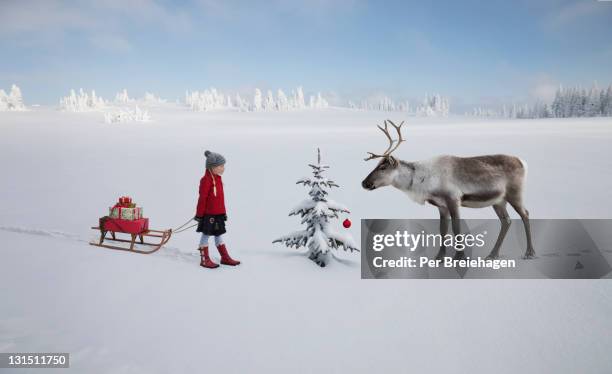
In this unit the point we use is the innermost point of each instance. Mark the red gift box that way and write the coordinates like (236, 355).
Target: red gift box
(132, 213)
(131, 227)
(125, 201)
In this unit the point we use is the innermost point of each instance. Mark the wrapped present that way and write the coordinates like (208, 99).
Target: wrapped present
(129, 214)
(125, 201)
(137, 226)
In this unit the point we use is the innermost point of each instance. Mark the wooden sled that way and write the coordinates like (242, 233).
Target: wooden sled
(163, 237)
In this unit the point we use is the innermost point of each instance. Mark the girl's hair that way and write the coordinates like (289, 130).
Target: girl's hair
(212, 175)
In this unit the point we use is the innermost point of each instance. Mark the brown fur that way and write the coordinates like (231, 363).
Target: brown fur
(493, 180)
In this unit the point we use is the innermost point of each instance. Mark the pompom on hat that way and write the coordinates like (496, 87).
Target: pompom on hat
(213, 159)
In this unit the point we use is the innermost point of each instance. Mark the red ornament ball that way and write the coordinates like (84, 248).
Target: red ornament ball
(346, 223)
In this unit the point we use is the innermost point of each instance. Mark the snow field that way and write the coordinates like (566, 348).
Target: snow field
(278, 312)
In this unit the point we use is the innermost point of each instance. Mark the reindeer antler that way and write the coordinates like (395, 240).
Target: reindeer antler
(391, 147)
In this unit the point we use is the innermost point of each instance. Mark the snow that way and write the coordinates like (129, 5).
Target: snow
(302, 207)
(336, 206)
(120, 115)
(118, 312)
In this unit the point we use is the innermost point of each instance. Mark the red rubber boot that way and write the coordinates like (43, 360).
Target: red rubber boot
(225, 257)
(205, 261)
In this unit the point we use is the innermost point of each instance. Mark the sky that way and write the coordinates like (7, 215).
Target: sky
(477, 53)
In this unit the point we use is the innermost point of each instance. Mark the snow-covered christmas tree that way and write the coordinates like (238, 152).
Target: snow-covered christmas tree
(318, 213)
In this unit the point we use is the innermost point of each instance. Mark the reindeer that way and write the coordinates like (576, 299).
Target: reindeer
(448, 182)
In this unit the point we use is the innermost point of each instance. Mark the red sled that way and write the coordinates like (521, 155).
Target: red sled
(136, 229)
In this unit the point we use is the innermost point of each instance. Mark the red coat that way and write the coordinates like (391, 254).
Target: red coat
(208, 203)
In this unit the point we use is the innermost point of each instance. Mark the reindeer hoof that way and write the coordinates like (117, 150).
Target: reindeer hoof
(492, 257)
(529, 255)
(459, 255)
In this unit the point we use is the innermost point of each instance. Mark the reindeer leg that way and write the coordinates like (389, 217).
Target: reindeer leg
(524, 213)
(453, 208)
(444, 216)
(504, 217)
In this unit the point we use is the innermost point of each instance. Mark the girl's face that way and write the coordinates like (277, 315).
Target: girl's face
(219, 169)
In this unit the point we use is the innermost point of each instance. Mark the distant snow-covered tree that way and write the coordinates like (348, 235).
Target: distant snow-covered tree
(577, 102)
(593, 103)
(301, 104)
(127, 115)
(485, 112)
(580, 103)
(555, 106)
(241, 104)
(257, 100)
(268, 104)
(282, 103)
(383, 103)
(317, 213)
(13, 101)
(318, 102)
(434, 105)
(3, 101)
(122, 97)
(403, 106)
(607, 102)
(150, 98)
(16, 99)
(297, 99)
(202, 101)
(83, 102)
(568, 102)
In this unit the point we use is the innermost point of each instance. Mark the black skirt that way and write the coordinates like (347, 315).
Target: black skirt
(212, 224)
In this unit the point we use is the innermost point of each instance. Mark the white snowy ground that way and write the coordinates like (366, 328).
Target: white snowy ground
(118, 312)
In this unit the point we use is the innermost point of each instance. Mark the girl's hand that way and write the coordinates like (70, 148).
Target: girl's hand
(198, 219)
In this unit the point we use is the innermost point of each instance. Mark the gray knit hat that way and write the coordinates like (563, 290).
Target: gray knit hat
(213, 159)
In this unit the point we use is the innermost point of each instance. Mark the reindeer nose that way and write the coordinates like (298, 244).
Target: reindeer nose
(367, 185)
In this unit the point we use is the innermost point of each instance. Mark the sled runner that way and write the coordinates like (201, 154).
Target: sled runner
(137, 229)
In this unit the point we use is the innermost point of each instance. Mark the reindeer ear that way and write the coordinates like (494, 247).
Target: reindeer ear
(392, 161)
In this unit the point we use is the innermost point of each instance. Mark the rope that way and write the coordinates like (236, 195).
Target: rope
(185, 229)
(181, 227)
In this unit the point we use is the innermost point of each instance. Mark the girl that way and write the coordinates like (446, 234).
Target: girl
(210, 212)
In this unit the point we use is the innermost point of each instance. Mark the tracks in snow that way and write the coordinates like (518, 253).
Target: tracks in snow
(41, 232)
(167, 251)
